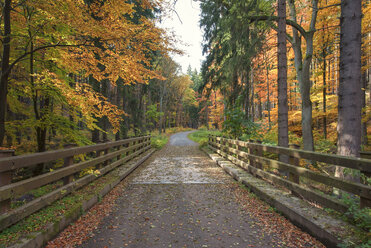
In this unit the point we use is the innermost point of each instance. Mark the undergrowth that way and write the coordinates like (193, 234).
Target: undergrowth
(201, 136)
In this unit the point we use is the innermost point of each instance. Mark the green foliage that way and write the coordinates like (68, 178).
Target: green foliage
(355, 215)
(158, 141)
(153, 115)
(236, 125)
(201, 136)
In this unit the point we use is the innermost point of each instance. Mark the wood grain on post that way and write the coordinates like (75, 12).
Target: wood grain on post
(5, 179)
(240, 149)
(67, 162)
(106, 151)
(128, 152)
(143, 141)
(365, 202)
(98, 153)
(118, 156)
(294, 161)
(252, 152)
(259, 153)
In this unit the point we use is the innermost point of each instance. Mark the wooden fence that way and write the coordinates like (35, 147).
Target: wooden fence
(257, 159)
(105, 157)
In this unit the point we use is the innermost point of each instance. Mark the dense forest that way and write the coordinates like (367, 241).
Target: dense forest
(102, 73)
(106, 72)
(242, 72)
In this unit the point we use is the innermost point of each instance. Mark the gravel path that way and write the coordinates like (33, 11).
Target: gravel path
(180, 198)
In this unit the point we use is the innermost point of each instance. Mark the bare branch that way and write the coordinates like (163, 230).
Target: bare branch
(42, 48)
(275, 18)
(329, 6)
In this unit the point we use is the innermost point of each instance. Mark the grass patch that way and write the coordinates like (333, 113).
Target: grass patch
(201, 136)
(158, 141)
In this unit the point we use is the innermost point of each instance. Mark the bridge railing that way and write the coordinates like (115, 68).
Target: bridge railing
(257, 159)
(104, 157)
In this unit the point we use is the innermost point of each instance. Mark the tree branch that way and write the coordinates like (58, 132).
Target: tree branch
(288, 37)
(275, 18)
(42, 48)
(329, 6)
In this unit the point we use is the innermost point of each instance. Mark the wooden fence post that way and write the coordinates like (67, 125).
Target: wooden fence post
(133, 144)
(118, 156)
(141, 142)
(98, 153)
(5, 179)
(127, 146)
(259, 152)
(106, 151)
(67, 162)
(365, 202)
(239, 148)
(294, 161)
(252, 152)
(226, 146)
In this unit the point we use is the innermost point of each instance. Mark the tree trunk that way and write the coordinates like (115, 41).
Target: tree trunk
(104, 121)
(4, 67)
(260, 108)
(118, 100)
(349, 91)
(283, 139)
(303, 72)
(252, 105)
(268, 101)
(161, 117)
(125, 126)
(324, 95)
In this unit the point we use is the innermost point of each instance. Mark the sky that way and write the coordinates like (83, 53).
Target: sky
(186, 26)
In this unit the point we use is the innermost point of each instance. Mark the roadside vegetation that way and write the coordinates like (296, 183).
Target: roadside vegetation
(201, 135)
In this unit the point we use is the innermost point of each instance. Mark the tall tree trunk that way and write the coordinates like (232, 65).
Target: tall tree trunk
(9, 117)
(283, 138)
(302, 67)
(252, 105)
(4, 67)
(96, 86)
(349, 92)
(268, 101)
(104, 121)
(260, 108)
(364, 138)
(324, 92)
(161, 117)
(125, 125)
(118, 103)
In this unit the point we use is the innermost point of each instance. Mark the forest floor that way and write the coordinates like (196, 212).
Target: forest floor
(180, 198)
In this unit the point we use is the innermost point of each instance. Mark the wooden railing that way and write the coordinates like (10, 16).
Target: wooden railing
(256, 158)
(105, 157)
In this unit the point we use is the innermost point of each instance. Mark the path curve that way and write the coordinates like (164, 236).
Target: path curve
(181, 139)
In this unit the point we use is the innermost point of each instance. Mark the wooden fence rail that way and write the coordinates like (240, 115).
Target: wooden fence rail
(114, 154)
(250, 157)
